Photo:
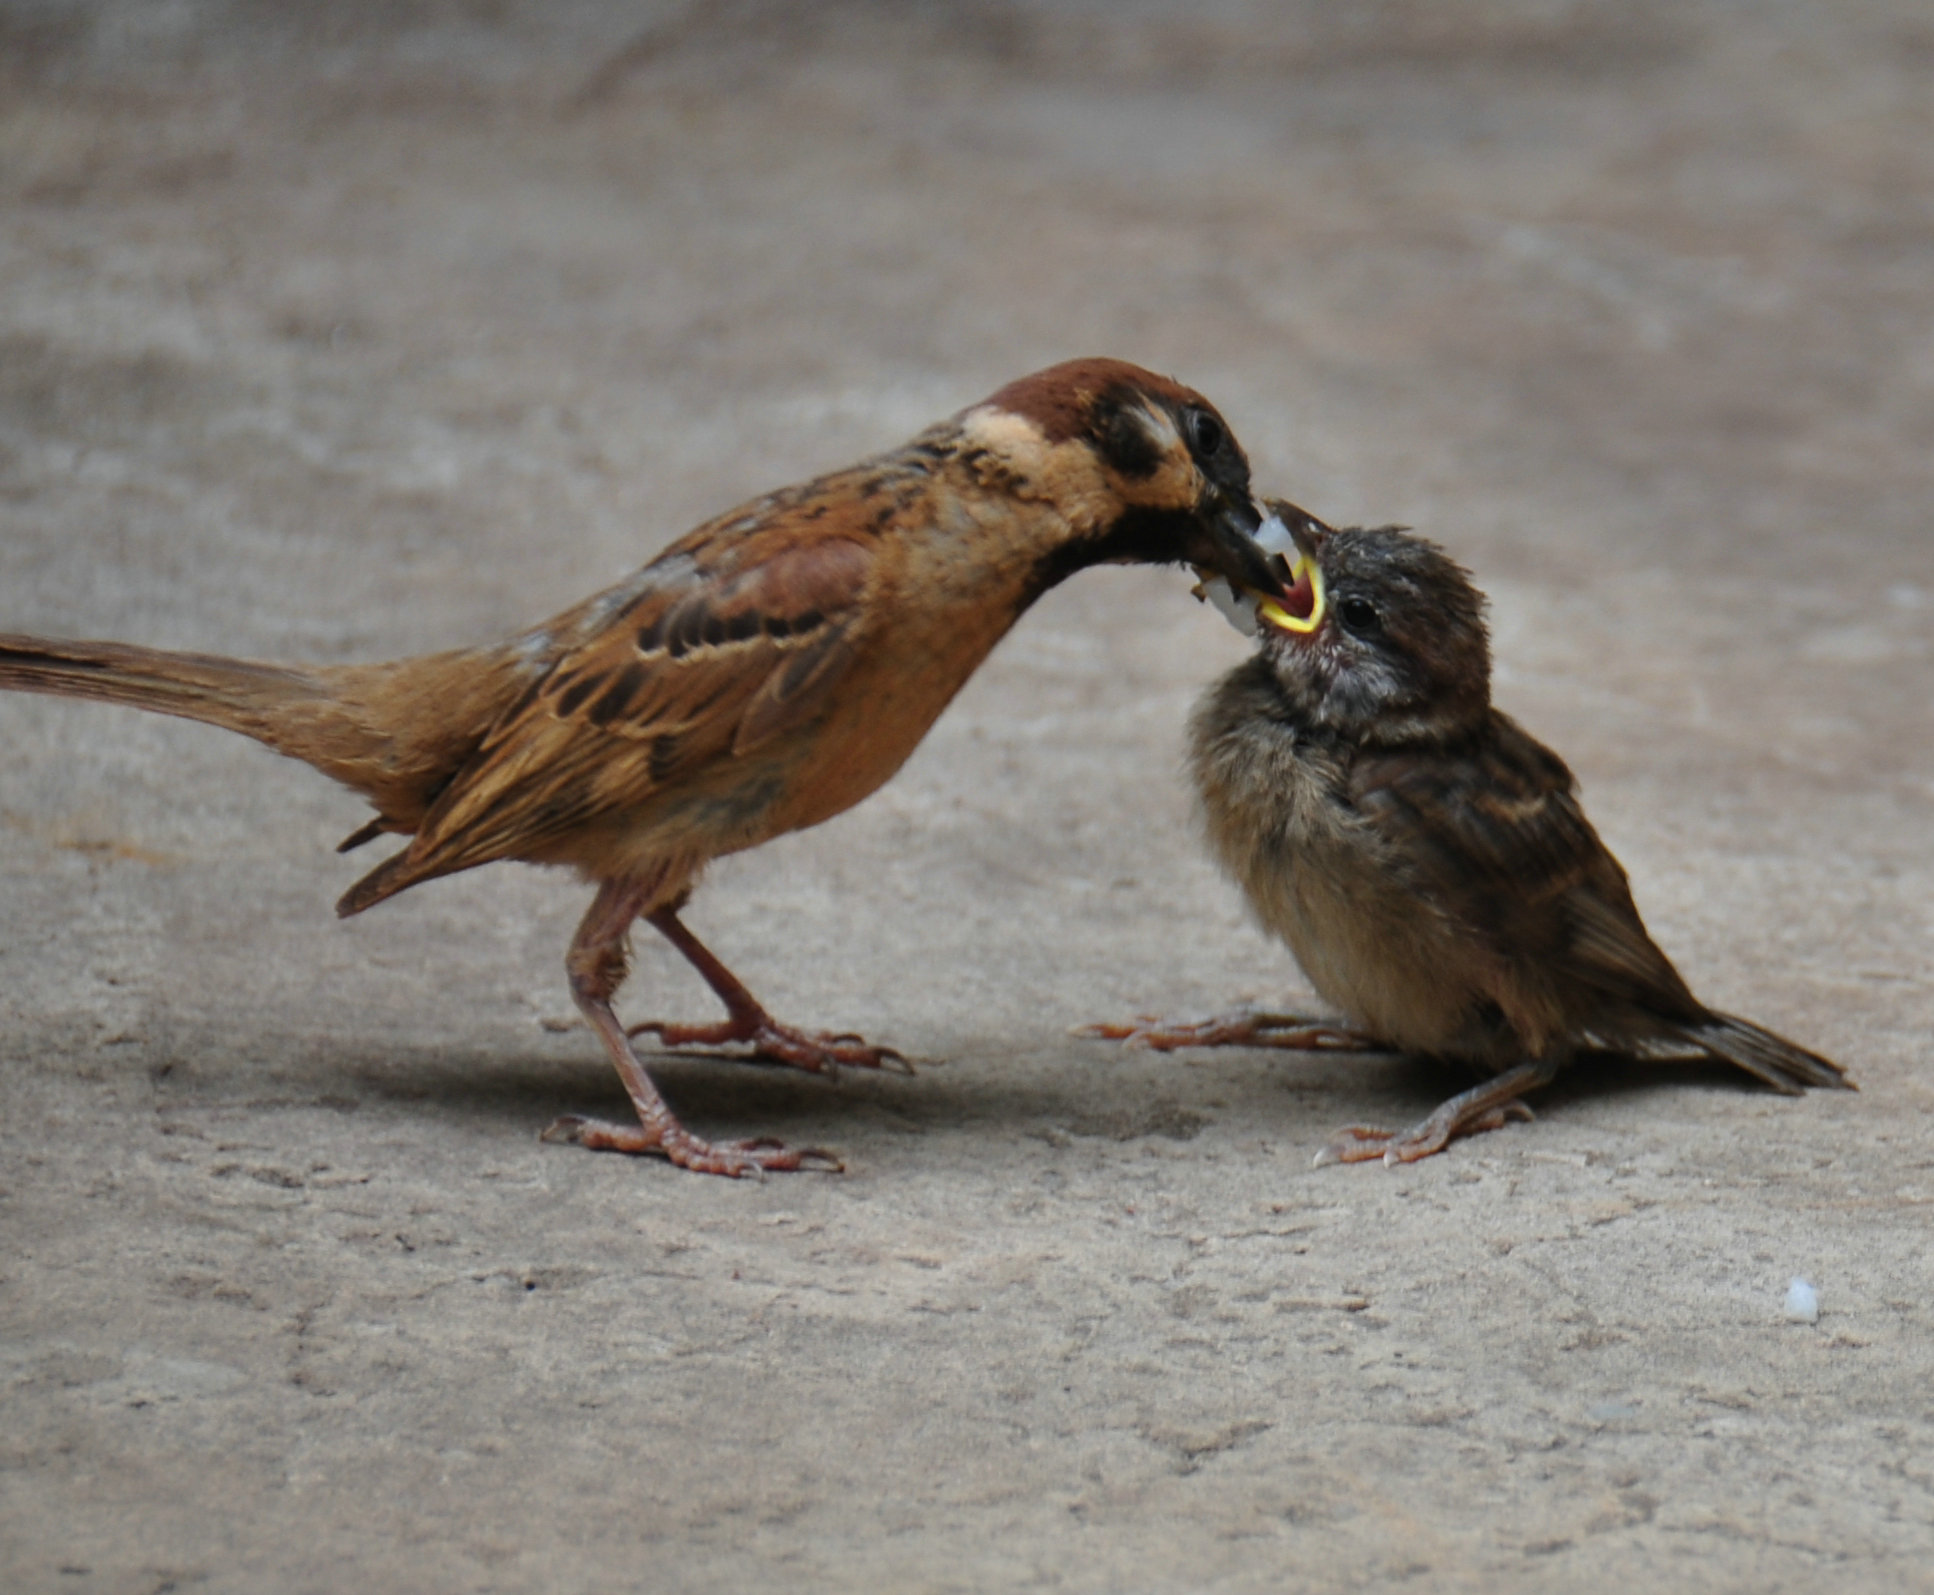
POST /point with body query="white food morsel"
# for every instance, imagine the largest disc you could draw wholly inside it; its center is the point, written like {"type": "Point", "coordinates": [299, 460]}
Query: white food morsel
{"type": "Point", "coordinates": [1239, 609]}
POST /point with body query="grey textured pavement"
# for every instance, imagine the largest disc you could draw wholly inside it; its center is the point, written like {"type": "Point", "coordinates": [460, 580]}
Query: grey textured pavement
{"type": "Point", "coordinates": [340, 331]}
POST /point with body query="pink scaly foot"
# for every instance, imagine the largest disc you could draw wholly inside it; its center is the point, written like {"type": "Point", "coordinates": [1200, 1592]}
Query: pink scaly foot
{"type": "Point", "coordinates": [747, 1022]}
{"type": "Point", "coordinates": [1244, 1028]}
{"type": "Point", "coordinates": [1489, 1106]}
{"type": "Point", "coordinates": [596, 964]}
{"type": "Point", "coordinates": [812, 1050]}
{"type": "Point", "coordinates": [1360, 1143]}
{"type": "Point", "coordinates": [687, 1151]}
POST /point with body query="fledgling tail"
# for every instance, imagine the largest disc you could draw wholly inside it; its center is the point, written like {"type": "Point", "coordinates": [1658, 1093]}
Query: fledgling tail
{"type": "Point", "coordinates": [1782, 1064]}
{"type": "Point", "coordinates": [395, 732]}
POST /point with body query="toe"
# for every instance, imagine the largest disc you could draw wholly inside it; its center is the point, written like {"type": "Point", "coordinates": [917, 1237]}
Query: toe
{"type": "Point", "coordinates": [1354, 1143]}
{"type": "Point", "coordinates": [564, 1129]}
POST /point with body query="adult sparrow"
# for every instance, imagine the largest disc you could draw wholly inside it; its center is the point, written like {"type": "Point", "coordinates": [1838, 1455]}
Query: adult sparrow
{"type": "Point", "coordinates": [1425, 858]}
{"type": "Point", "coordinates": [762, 674]}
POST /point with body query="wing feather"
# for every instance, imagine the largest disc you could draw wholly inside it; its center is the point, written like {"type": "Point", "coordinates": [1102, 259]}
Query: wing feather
{"type": "Point", "coordinates": [1498, 840]}
{"type": "Point", "coordinates": [733, 636]}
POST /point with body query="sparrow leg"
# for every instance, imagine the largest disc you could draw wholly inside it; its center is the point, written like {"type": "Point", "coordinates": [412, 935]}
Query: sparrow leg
{"type": "Point", "coordinates": [1244, 1028]}
{"type": "Point", "coordinates": [1489, 1106]}
{"type": "Point", "coordinates": [747, 1020]}
{"type": "Point", "coordinates": [597, 964]}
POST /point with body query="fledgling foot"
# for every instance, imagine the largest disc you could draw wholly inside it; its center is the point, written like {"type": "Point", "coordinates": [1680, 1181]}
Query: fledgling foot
{"type": "Point", "coordinates": [1245, 1028]}
{"type": "Point", "coordinates": [737, 1159]}
{"type": "Point", "coordinates": [815, 1051]}
{"type": "Point", "coordinates": [1359, 1143]}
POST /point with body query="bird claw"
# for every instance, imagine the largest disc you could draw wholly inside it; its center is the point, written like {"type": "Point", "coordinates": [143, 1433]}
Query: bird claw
{"type": "Point", "coordinates": [753, 1159]}
{"type": "Point", "coordinates": [817, 1052]}
{"type": "Point", "coordinates": [1246, 1028]}
{"type": "Point", "coordinates": [1354, 1143]}
{"type": "Point", "coordinates": [1360, 1143]}
{"type": "Point", "coordinates": [1112, 1030]}
{"type": "Point", "coordinates": [888, 1060]}
{"type": "Point", "coordinates": [563, 1130]}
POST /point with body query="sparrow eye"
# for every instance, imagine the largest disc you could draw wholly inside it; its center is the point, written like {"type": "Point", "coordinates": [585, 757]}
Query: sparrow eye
{"type": "Point", "coordinates": [1206, 434]}
{"type": "Point", "coordinates": [1359, 617]}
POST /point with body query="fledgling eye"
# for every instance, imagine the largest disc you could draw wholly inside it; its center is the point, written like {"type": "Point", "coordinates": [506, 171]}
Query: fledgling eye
{"type": "Point", "coordinates": [1206, 434]}
{"type": "Point", "coordinates": [1359, 616]}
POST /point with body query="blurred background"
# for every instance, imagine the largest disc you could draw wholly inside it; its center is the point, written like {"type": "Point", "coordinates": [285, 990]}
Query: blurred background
{"type": "Point", "coordinates": [343, 330]}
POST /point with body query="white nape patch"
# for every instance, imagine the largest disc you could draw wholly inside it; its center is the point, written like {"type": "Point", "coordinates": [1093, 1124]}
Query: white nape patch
{"type": "Point", "coordinates": [1011, 436]}
{"type": "Point", "coordinates": [1063, 475]}
{"type": "Point", "coordinates": [1802, 1304]}
{"type": "Point", "coordinates": [1239, 609]}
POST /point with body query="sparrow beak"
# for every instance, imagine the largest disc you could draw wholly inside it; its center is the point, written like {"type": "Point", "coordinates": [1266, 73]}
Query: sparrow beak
{"type": "Point", "coordinates": [1305, 530]}
{"type": "Point", "coordinates": [1233, 552]}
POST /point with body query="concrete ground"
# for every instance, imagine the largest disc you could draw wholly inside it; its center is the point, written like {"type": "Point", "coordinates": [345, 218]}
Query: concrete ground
{"type": "Point", "coordinates": [337, 331]}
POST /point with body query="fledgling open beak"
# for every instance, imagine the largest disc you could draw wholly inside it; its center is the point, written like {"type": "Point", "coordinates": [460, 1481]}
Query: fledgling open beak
{"type": "Point", "coordinates": [1302, 605]}
{"type": "Point", "coordinates": [1291, 598]}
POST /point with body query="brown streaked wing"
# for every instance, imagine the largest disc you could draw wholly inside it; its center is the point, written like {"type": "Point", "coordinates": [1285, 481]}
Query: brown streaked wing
{"type": "Point", "coordinates": [1496, 838]}
{"type": "Point", "coordinates": [744, 647]}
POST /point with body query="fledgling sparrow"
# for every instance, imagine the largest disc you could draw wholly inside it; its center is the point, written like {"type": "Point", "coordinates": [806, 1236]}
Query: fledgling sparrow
{"type": "Point", "coordinates": [762, 674]}
{"type": "Point", "coordinates": [1425, 858]}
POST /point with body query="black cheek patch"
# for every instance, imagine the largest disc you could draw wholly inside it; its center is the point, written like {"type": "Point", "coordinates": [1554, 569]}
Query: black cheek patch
{"type": "Point", "coordinates": [1229, 471]}
{"type": "Point", "coordinates": [1123, 442]}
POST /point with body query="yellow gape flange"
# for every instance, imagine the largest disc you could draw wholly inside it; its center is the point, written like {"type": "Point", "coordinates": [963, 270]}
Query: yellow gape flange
{"type": "Point", "coordinates": [1272, 613]}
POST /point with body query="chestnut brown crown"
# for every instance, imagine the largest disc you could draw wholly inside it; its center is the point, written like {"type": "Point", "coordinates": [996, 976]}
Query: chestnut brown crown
{"type": "Point", "coordinates": [1174, 479]}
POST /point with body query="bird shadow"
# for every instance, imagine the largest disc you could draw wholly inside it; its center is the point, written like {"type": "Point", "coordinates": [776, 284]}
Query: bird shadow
{"type": "Point", "coordinates": [1593, 1075]}
{"type": "Point", "coordinates": [1598, 1075]}
{"type": "Point", "coordinates": [520, 1088]}
{"type": "Point", "coordinates": [1099, 1092]}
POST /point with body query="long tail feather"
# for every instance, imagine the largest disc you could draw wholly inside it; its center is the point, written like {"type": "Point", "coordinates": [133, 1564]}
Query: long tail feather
{"type": "Point", "coordinates": [235, 693]}
{"type": "Point", "coordinates": [393, 732]}
{"type": "Point", "coordinates": [1784, 1065]}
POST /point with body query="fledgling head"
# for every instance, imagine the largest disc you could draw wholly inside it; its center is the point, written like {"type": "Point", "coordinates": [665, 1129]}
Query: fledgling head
{"type": "Point", "coordinates": [1399, 651]}
{"type": "Point", "coordinates": [1142, 469]}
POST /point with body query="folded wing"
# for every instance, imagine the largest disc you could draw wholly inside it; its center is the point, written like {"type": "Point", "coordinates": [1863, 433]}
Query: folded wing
{"type": "Point", "coordinates": [726, 641]}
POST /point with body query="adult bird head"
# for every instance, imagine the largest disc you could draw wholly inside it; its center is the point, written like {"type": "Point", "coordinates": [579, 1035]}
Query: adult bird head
{"type": "Point", "coordinates": [1142, 470]}
{"type": "Point", "coordinates": [1380, 638]}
